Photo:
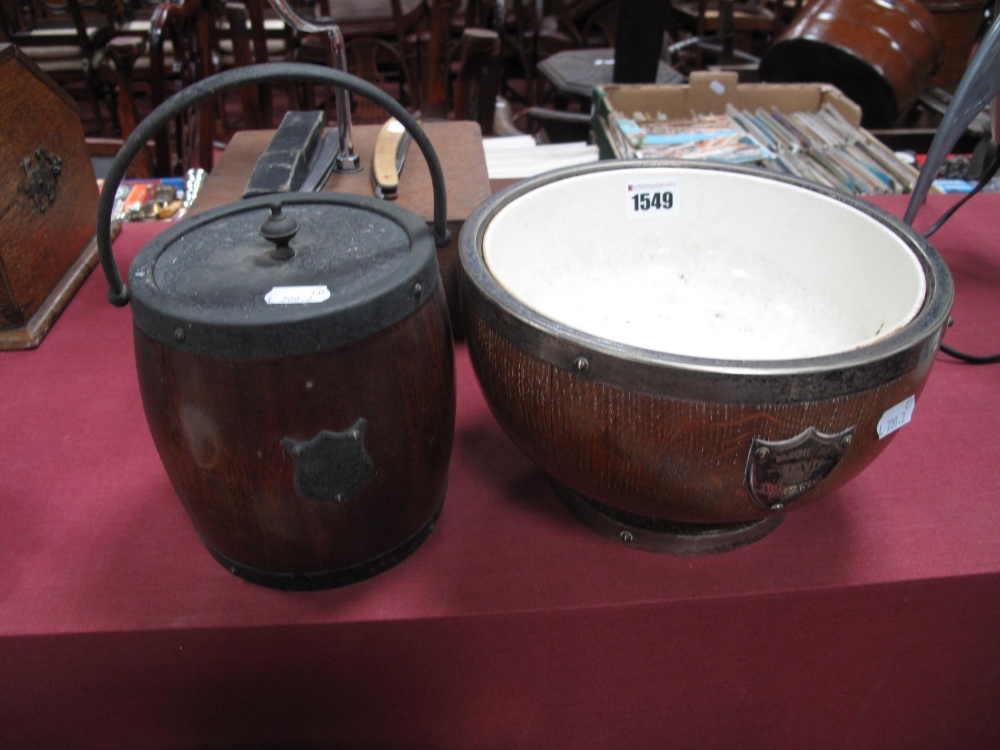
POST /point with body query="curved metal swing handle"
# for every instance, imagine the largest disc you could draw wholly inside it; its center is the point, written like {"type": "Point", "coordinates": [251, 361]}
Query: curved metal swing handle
{"type": "Point", "coordinates": [263, 73]}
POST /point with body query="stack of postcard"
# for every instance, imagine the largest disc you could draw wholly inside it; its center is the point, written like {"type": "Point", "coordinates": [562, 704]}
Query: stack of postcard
{"type": "Point", "coordinates": [819, 146]}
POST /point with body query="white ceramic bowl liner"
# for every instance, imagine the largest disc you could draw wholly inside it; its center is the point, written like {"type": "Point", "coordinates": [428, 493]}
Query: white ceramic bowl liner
{"type": "Point", "coordinates": [739, 268]}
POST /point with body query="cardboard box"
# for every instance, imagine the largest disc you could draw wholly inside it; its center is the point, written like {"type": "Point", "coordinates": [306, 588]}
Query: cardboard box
{"type": "Point", "coordinates": [806, 130]}
{"type": "Point", "coordinates": [707, 93]}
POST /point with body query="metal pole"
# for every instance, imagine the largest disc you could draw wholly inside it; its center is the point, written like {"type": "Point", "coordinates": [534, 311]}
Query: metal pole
{"type": "Point", "coordinates": [346, 159]}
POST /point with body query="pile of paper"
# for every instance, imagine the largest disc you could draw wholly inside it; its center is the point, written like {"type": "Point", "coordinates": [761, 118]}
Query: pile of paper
{"type": "Point", "coordinates": [515, 157]}
{"type": "Point", "coordinates": [819, 146]}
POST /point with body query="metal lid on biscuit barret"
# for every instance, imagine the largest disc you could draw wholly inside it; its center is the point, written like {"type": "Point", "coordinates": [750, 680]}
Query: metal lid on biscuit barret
{"type": "Point", "coordinates": [272, 277]}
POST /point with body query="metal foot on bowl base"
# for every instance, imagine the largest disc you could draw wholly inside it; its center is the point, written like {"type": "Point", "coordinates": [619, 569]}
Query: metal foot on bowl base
{"type": "Point", "coordinates": [665, 537]}
{"type": "Point", "coordinates": [328, 579]}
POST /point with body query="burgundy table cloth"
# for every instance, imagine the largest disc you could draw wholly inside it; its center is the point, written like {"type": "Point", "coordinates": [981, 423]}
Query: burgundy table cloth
{"type": "Point", "coordinates": [870, 619]}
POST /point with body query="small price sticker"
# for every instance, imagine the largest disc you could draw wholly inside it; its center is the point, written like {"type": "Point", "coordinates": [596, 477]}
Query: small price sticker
{"type": "Point", "coordinates": [895, 417]}
{"type": "Point", "coordinates": [297, 295]}
{"type": "Point", "coordinates": [651, 198]}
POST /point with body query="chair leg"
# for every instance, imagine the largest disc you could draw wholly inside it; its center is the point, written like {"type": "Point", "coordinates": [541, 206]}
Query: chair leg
{"type": "Point", "coordinates": [93, 84]}
{"type": "Point", "coordinates": [125, 51]}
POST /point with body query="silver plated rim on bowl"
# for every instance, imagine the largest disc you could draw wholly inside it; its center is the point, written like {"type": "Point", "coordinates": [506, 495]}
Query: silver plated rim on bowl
{"type": "Point", "coordinates": [698, 377]}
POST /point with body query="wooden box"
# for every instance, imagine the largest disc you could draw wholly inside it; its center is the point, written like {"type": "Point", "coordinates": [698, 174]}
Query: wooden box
{"type": "Point", "coordinates": [48, 201]}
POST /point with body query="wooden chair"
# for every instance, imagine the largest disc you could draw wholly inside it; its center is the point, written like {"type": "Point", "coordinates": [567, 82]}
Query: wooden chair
{"type": "Point", "coordinates": [438, 55]}
{"type": "Point", "coordinates": [380, 43]}
{"type": "Point", "coordinates": [741, 28]}
{"type": "Point", "coordinates": [65, 40]}
{"type": "Point", "coordinates": [381, 63]}
{"type": "Point", "coordinates": [167, 58]}
{"type": "Point", "coordinates": [461, 61]}
{"type": "Point", "coordinates": [571, 24]}
{"type": "Point", "coordinates": [123, 54]}
{"type": "Point", "coordinates": [478, 82]}
{"type": "Point", "coordinates": [463, 56]}
{"type": "Point", "coordinates": [178, 47]}
{"type": "Point", "coordinates": [396, 24]}
{"type": "Point", "coordinates": [564, 25]}
{"type": "Point", "coordinates": [245, 32]}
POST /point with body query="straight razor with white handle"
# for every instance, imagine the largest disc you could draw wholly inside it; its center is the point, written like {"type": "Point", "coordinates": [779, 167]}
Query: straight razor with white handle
{"type": "Point", "coordinates": [390, 154]}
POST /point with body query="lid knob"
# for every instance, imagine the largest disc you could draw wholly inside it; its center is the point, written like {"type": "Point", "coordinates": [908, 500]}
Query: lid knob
{"type": "Point", "coordinates": [279, 229]}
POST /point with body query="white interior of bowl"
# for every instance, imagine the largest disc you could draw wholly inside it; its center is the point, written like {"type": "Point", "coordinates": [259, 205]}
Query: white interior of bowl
{"type": "Point", "coordinates": [738, 268]}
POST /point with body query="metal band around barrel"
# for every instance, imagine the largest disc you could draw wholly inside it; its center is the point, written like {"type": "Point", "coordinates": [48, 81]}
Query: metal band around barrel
{"type": "Point", "coordinates": [307, 328]}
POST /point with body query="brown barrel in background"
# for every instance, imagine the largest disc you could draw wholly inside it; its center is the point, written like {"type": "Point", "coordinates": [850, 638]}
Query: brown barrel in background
{"type": "Point", "coordinates": [882, 54]}
{"type": "Point", "coordinates": [958, 23]}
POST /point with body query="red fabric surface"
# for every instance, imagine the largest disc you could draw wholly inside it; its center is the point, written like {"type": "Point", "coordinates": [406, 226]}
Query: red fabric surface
{"type": "Point", "coordinates": [866, 620]}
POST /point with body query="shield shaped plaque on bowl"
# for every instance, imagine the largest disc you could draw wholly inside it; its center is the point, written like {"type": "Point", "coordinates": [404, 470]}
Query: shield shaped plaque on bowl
{"type": "Point", "coordinates": [780, 471]}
